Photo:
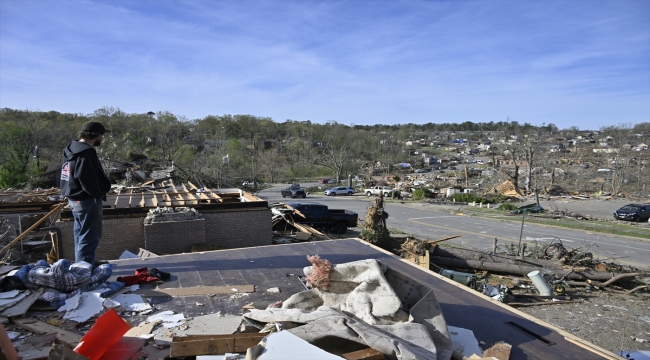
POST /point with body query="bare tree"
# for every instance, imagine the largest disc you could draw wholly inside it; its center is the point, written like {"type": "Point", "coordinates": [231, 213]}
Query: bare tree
{"type": "Point", "coordinates": [336, 149]}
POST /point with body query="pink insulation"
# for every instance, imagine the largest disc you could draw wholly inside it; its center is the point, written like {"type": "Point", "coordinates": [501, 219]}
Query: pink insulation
{"type": "Point", "coordinates": [320, 275]}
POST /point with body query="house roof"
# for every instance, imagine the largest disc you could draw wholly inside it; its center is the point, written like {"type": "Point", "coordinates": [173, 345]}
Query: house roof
{"type": "Point", "coordinates": [269, 266]}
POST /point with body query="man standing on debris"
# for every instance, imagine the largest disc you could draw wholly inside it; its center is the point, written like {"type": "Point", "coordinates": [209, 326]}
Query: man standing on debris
{"type": "Point", "coordinates": [85, 184]}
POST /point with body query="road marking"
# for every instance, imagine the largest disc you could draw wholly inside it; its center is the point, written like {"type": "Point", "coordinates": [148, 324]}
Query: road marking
{"type": "Point", "coordinates": [513, 240]}
{"type": "Point", "coordinates": [567, 239]}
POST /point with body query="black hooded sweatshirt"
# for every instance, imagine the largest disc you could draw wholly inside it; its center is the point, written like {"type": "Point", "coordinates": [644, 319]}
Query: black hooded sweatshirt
{"type": "Point", "coordinates": [82, 176]}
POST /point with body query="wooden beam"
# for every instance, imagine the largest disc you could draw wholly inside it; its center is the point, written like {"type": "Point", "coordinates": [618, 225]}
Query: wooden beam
{"type": "Point", "coordinates": [55, 210]}
{"type": "Point", "coordinates": [443, 239]}
{"type": "Point", "coordinates": [196, 345]}
{"type": "Point", "coordinates": [62, 336]}
{"type": "Point", "coordinates": [364, 354]}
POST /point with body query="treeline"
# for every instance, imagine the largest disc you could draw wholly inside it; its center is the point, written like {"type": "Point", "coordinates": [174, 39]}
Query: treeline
{"type": "Point", "coordinates": [219, 150]}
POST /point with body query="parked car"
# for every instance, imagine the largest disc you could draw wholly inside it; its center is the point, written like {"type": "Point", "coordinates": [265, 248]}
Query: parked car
{"type": "Point", "coordinates": [320, 216]}
{"type": "Point", "coordinates": [633, 212]}
{"type": "Point", "coordinates": [378, 190]}
{"type": "Point", "coordinates": [294, 193]}
{"type": "Point", "coordinates": [323, 180]}
{"type": "Point", "coordinates": [340, 190]}
{"type": "Point", "coordinates": [420, 171]}
{"type": "Point", "coordinates": [331, 181]}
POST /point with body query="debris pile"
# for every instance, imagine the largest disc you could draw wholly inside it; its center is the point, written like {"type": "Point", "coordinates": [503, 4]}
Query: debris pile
{"type": "Point", "coordinates": [165, 214]}
{"type": "Point", "coordinates": [559, 269]}
{"type": "Point", "coordinates": [287, 230]}
{"type": "Point", "coordinates": [507, 188]}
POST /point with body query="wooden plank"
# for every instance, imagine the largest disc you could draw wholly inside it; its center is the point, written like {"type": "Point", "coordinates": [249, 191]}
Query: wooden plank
{"type": "Point", "coordinates": [443, 239]}
{"type": "Point", "coordinates": [155, 200]}
{"type": "Point", "coordinates": [168, 199]}
{"type": "Point", "coordinates": [364, 354]}
{"type": "Point", "coordinates": [213, 344]}
{"type": "Point", "coordinates": [8, 350]}
{"type": "Point", "coordinates": [62, 336]}
{"type": "Point", "coordinates": [142, 202]}
{"type": "Point", "coordinates": [199, 290]}
{"type": "Point", "coordinates": [189, 194]}
{"type": "Point", "coordinates": [36, 225]}
{"type": "Point", "coordinates": [214, 195]}
{"type": "Point", "coordinates": [183, 198]}
{"type": "Point", "coordinates": [514, 304]}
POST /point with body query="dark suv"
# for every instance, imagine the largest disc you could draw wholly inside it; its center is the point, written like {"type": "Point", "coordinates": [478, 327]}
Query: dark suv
{"type": "Point", "coordinates": [633, 212]}
{"type": "Point", "coordinates": [294, 193]}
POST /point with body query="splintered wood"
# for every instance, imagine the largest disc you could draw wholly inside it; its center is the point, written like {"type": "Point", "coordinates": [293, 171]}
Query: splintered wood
{"type": "Point", "coordinates": [284, 225]}
{"type": "Point", "coordinates": [507, 188]}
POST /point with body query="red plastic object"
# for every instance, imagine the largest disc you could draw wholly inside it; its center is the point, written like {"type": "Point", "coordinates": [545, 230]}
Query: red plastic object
{"type": "Point", "coordinates": [108, 330]}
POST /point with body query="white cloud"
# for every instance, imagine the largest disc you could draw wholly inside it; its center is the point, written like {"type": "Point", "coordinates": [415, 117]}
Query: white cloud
{"type": "Point", "coordinates": [361, 62]}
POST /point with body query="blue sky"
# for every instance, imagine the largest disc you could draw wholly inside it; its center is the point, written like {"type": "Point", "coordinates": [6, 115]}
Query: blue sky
{"type": "Point", "coordinates": [571, 63]}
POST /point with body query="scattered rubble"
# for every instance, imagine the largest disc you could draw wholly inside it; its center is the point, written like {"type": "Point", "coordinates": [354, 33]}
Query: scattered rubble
{"type": "Point", "coordinates": [165, 214]}
{"type": "Point", "coordinates": [286, 230]}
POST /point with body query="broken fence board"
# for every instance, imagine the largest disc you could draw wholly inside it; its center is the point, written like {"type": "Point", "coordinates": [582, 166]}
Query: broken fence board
{"type": "Point", "coordinates": [201, 290]}
{"type": "Point", "coordinates": [24, 305]}
{"type": "Point", "coordinates": [213, 344]}
{"type": "Point", "coordinates": [62, 336]}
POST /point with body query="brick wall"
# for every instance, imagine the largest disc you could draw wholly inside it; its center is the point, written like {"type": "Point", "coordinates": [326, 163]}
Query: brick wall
{"type": "Point", "coordinates": [238, 229]}
{"type": "Point", "coordinates": [117, 235]}
{"type": "Point", "coordinates": [173, 237]}
{"type": "Point", "coordinates": [231, 229]}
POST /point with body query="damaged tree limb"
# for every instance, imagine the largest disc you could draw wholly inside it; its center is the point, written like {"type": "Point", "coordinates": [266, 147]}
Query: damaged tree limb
{"type": "Point", "coordinates": [521, 270]}
{"type": "Point", "coordinates": [495, 258]}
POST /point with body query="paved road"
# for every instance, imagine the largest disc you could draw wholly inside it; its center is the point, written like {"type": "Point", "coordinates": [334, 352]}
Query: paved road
{"type": "Point", "coordinates": [431, 221]}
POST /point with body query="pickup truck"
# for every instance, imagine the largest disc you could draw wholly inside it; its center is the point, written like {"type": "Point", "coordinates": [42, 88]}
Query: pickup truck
{"type": "Point", "coordinates": [320, 216]}
{"type": "Point", "coordinates": [377, 190]}
{"type": "Point", "coordinates": [294, 192]}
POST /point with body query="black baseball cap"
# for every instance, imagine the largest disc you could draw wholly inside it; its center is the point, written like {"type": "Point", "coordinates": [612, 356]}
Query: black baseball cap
{"type": "Point", "coordinates": [94, 127]}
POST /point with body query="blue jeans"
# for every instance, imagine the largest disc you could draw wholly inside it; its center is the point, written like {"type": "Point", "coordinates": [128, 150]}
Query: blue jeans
{"type": "Point", "coordinates": [87, 228]}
